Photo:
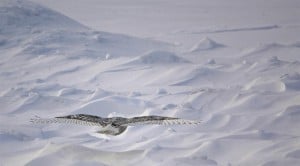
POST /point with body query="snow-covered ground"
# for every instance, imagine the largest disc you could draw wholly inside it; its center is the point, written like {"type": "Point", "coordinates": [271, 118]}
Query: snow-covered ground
{"type": "Point", "coordinates": [233, 64]}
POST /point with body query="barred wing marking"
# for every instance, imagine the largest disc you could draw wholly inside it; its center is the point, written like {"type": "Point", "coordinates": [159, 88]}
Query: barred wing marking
{"type": "Point", "coordinates": [159, 120]}
{"type": "Point", "coordinates": [90, 120]}
{"type": "Point", "coordinates": [66, 120]}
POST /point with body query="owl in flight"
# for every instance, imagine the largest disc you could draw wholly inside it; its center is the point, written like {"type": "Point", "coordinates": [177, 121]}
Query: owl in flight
{"type": "Point", "coordinates": [115, 125]}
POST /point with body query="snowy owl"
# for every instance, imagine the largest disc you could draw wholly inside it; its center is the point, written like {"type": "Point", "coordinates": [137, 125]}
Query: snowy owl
{"type": "Point", "coordinates": [114, 125]}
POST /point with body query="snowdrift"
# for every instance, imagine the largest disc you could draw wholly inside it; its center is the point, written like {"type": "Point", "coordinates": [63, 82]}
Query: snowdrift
{"type": "Point", "coordinates": [245, 89]}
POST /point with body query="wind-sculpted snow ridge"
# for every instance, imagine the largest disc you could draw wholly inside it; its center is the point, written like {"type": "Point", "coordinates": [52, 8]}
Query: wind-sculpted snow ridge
{"type": "Point", "coordinates": [36, 31]}
{"type": "Point", "coordinates": [241, 80]}
{"type": "Point", "coordinates": [205, 45]}
{"type": "Point", "coordinates": [239, 29]}
{"type": "Point", "coordinates": [158, 57]}
{"type": "Point", "coordinates": [18, 17]}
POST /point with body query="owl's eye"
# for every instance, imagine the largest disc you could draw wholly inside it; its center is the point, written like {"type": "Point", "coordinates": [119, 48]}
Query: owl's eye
{"type": "Point", "coordinates": [114, 125]}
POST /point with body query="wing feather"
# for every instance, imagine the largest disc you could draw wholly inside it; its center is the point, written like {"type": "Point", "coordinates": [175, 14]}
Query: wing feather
{"type": "Point", "coordinates": [157, 120]}
{"type": "Point", "coordinates": [65, 121]}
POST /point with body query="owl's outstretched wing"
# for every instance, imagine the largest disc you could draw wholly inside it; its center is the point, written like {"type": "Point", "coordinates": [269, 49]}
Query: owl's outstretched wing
{"type": "Point", "coordinates": [79, 119]}
{"type": "Point", "coordinates": [158, 120]}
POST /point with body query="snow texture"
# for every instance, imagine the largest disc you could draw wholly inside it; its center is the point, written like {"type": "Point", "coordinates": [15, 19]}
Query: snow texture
{"type": "Point", "coordinates": [233, 65]}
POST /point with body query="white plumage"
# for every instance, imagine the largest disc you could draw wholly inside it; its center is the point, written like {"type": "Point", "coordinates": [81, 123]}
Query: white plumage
{"type": "Point", "coordinates": [114, 125]}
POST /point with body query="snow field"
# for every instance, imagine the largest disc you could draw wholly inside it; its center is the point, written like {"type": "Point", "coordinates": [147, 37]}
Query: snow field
{"type": "Point", "coordinates": [242, 84]}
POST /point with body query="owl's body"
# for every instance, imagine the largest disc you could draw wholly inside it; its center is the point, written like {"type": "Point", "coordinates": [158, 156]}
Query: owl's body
{"type": "Point", "coordinates": [114, 125]}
